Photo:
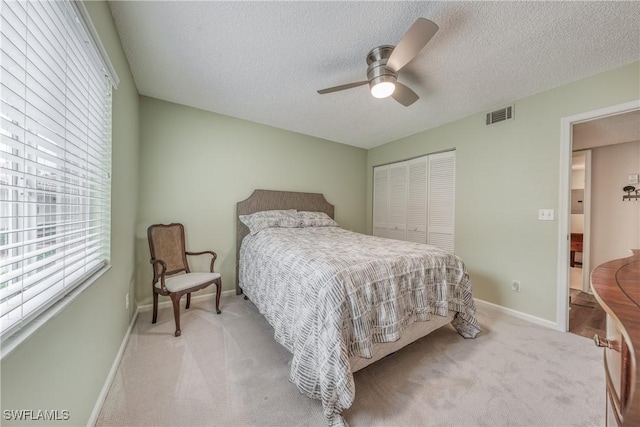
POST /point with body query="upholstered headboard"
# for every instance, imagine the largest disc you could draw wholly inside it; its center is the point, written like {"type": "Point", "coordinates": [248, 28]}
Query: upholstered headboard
{"type": "Point", "coordinates": [264, 200]}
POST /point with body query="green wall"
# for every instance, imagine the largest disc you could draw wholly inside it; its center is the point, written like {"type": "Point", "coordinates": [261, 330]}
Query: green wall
{"type": "Point", "coordinates": [64, 364]}
{"type": "Point", "coordinates": [504, 174]}
{"type": "Point", "coordinates": [196, 165]}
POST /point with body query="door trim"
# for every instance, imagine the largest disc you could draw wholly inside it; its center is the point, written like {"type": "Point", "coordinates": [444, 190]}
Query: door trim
{"type": "Point", "coordinates": [586, 235]}
{"type": "Point", "coordinates": [566, 137]}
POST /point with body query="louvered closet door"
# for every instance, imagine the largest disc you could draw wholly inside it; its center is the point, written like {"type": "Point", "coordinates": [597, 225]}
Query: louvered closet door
{"type": "Point", "coordinates": [380, 201]}
{"type": "Point", "coordinates": [441, 200]}
{"type": "Point", "coordinates": [417, 200]}
{"type": "Point", "coordinates": [398, 201]}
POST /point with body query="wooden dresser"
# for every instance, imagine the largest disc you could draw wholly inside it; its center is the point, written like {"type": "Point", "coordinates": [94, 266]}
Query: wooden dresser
{"type": "Point", "coordinates": [576, 246]}
{"type": "Point", "coordinates": [616, 285]}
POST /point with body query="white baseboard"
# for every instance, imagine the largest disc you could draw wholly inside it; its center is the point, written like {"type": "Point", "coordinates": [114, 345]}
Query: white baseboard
{"type": "Point", "coordinates": [520, 315]}
{"type": "Point", "coordinates": [168, 303]}
{"type": "Point", "coordinates": [93, 418]}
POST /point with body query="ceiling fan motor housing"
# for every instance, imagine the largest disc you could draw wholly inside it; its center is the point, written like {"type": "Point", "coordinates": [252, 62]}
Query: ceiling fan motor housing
{"type": "Point", "coordinates": [378, 71]}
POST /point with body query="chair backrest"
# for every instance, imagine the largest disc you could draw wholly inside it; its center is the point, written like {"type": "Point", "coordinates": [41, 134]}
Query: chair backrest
{"type": "Point", "coordinates": [167, 243]}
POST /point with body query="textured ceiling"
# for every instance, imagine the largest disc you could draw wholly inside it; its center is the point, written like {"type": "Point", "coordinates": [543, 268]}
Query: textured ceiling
{"type": "Point", "coordinates": [616, 129]}
{"type": "Point", "coordinates": [264, 61]}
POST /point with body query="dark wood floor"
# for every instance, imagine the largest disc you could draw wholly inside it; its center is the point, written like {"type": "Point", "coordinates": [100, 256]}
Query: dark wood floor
{"type": "Point", "coordinates": [586, 317]}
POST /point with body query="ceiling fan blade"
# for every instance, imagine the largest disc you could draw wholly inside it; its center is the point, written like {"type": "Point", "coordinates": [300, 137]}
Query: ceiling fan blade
{"type": "Point", "coordinates": [404, 95]}
{"type": "Point", "coordinates": [342, 87]}
{"type": "Point", "coordinates": [411, 43]}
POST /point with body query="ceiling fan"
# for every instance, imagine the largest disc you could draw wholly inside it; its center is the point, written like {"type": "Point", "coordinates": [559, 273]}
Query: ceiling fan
{"type": "Point", "coordinates": [386, 61]}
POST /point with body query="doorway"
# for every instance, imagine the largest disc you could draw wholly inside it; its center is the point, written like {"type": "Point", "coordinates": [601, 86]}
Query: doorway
{"type": "Point", "coordinates": [614, 114]}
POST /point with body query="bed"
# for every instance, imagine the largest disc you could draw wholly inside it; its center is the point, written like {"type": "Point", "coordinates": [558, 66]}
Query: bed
{"type": "Point", "coordinates": [338, 300]}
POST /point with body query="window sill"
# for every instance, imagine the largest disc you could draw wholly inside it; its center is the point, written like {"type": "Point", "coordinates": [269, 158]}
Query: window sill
{"type": "Point", "coordinates": [11, 343]}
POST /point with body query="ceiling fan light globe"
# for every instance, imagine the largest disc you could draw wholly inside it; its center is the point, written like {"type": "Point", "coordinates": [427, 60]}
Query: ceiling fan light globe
{"type": "Point", "coordinates": [383, 89]}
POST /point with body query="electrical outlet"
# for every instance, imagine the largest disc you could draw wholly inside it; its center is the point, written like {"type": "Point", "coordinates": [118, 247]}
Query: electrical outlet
{"type": "Point", "coordinates": [515, 286]}
{"type": "Point", "coordinates": [126, 301]}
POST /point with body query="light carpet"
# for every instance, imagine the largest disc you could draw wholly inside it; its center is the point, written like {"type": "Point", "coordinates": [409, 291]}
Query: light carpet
{"type": "Point", "coordinates": [227, 370]}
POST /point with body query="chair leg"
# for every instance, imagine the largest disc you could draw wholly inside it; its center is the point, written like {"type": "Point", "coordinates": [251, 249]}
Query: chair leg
{"type": "Point", "coordinates": [155, 307]}
{"type": "Point", "coordinates": [188, 300]}
{"type": "Point", "coordinates": [218, 292]}
{"type": "Point", "coordinates": [175, 298]}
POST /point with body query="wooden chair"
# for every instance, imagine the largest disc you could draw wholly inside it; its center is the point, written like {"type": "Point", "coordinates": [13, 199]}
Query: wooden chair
{"type": "Point", "coordinates": [171, 274]}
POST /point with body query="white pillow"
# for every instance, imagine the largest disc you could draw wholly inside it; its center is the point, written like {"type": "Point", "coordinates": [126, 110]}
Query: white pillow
{"type": "Point", "coordinates": [315, 219]}
{"type": "Point", "coordinates": [270, 219]}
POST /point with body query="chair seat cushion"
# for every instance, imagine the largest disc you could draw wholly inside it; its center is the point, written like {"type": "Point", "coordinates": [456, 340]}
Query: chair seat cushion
{"type": "Point", "coordinates": [184, 281]}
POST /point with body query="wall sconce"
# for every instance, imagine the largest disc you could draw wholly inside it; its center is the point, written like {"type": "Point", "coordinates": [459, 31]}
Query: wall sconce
{"type": "Point", "coordinates": [629, 196]}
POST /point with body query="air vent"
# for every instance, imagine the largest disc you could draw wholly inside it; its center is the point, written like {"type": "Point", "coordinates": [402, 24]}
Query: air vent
{"type": "Point", "coordinates": [500, 115]}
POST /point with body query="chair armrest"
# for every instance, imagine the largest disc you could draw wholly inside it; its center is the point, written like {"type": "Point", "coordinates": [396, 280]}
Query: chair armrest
{"type": "Point", "coordinates": [214, 256]}
{"type": "Point", "coordinates": [162, 272]}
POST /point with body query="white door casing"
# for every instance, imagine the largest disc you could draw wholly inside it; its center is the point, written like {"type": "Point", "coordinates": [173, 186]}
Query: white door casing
{"type": "Point", "coordinates": [566, 125]}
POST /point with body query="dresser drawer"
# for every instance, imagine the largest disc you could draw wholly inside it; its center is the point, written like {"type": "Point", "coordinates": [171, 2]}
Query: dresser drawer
{"type": "Point", "coordinates": [617, 373]}
{"type": "Point", "coordinates": [616, 286]}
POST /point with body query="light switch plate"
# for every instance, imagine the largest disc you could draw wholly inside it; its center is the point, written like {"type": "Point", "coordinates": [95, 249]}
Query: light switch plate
{"type": "Point", "coordinates": [545, 214]}
{"type": "Point", "coordinates": [633, 179]}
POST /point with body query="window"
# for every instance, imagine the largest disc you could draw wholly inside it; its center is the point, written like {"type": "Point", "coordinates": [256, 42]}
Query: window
{"type": "Point", "coordinates": [55, 156]}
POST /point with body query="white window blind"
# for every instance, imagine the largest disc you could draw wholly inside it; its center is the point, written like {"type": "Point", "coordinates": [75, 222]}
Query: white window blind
{"type": "Point", "coordinates": [55, 164]}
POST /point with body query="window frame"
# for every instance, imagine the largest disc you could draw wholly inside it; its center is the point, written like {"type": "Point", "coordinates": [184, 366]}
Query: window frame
{"type": "Point", "coordinates": [74, 22]}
